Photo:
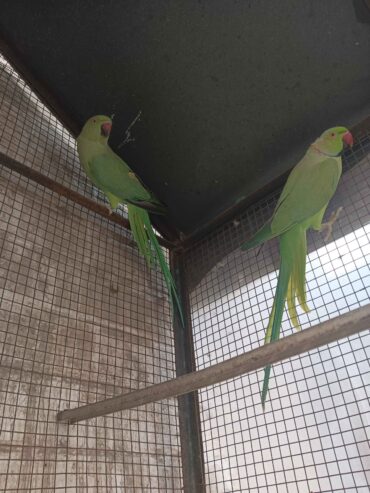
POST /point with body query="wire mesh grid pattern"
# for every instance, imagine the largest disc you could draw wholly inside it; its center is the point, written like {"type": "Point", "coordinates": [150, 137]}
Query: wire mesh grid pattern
{"type": "Point", "coordinates": [314, 434]}
{"type": "Point", "coordinates": [31, 134]}
{"type": "Point", "coordinates": [81, 319]}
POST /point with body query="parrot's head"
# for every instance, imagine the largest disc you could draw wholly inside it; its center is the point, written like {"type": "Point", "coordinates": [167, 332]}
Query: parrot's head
{"type": "Point", "coordinates": [332, 141]}
{"type": "Point", "coordinates": [97, 128]}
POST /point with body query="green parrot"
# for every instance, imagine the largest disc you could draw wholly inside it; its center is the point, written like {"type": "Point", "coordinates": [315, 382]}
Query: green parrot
{"type": "Point", "coordinates": [115, 179]}
{"type": "Point", "coordinates": [301, 206]}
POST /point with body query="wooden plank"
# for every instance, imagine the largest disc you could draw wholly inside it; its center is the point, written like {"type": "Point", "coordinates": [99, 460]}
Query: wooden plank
{"type": "Point", "coordinates": [300, 342]}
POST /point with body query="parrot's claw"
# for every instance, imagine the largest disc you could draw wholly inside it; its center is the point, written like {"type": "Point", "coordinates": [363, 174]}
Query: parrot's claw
{"type": "Point", "coordinates": [329, 224]}
{"type": "Point", "coordinates": [110, 210]}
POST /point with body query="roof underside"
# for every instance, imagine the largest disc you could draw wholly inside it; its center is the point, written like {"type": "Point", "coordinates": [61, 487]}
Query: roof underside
{"type": "Point", "coordinates": [230, 92]}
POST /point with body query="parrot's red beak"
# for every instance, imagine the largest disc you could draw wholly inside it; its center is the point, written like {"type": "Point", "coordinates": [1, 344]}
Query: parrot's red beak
{"type": "Point", "coordinates": [348, 139]}
{"type": "Point", "coordinates": [105, 129]}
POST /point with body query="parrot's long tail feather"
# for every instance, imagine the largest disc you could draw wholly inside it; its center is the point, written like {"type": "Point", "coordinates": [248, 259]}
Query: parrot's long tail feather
{"type": "Point", "coordinates": [297, 281]}
{"type": "Point", "coordinates": [140, 234]}
{"type": "Point", "coordinates": [273, 330]}
{"type": "Point", "coordinates": [151, 250]}
{"type": "Point", "coordinates": [261, 236]}
{"type": "Point", "coordinates": [291, 284]}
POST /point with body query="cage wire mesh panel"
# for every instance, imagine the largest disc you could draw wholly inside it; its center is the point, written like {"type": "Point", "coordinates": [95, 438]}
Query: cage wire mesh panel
{"type": "Point", "coordinates": [31, 134]}
{"type": "Point", "coordinates": [314, 434]}
{"type": "Point", "coordinates": [81, 319]}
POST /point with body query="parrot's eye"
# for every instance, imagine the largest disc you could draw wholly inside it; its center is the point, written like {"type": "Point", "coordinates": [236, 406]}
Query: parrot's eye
{"type": "Point", "coordinates": [94, 121]}
{"type": "Point", "coordinates": [333, 134]}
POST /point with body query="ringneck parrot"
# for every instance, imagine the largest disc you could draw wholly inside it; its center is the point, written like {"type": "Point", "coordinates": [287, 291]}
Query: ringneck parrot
{"type": "Point", "coordinates": [115, 179]}
{"type": "Point", "coordinates": [301, 206]}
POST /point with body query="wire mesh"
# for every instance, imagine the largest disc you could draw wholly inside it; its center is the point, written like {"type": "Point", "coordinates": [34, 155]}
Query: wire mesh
{"type": "Point", "coordinates": [31, 134]}
{"type": "Point", "coordinates": [81, 319]}
{"type": "Point", "coordinates": [314, 435]}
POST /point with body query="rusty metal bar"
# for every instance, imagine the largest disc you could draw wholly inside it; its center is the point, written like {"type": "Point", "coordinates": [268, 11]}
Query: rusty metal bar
{"type": "Point", "coordinates": [60, 189]}
{"type": "Point", "coordinates": [300, 342]}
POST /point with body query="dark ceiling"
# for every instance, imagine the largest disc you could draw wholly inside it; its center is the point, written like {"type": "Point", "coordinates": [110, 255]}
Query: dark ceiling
{"type": "Point", "coordinates": [230, 92]}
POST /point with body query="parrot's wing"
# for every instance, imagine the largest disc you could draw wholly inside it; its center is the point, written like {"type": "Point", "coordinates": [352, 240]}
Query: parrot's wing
{"type": "Point", "coordinates": [308, 192]}
{"type": "Point", "coordinates": [111, 174]}
{"type": "Point", "coordinates": [151, 206]}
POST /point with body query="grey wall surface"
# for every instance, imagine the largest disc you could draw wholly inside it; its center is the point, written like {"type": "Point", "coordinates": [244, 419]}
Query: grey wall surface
{"type": "Point", "coordinates": [81, 319]}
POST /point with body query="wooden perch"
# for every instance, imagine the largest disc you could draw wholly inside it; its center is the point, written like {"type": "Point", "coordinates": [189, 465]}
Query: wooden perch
{"type": "Point", "coordinates": [300, 342]}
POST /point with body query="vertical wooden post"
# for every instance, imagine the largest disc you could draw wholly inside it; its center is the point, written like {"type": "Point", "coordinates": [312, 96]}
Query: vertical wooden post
{"type": "Point", "coordinates": [189, 416]}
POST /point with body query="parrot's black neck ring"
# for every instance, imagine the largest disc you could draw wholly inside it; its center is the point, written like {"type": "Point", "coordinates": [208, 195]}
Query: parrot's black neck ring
{"type": "Point", "coordinates": [324, 153]}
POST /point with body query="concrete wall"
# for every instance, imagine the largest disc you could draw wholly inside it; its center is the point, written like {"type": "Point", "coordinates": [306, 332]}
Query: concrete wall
{"type": "Point", "coordinates": [81, 319]}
